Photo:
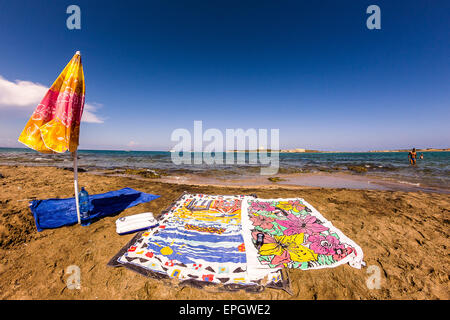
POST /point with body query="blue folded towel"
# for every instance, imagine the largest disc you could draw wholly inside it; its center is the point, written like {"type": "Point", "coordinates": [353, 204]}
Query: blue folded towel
{"type": "Point", "coordinates": [54, 213]}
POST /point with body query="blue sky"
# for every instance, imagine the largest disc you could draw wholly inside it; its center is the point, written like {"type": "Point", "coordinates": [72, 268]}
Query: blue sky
{"type": "Point", "coordinates": [309, 68]}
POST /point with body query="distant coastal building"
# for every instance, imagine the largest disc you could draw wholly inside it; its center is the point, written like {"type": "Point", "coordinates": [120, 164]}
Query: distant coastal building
{"type": "Point", "coordinates": [298, 150]}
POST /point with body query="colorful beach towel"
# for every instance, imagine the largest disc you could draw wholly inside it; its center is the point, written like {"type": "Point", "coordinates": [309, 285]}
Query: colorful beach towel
{"type": "Point", "coordinates": [292, 233]}
{"type": "Point", "coordinates": [199, 242]}
{"type": "Point", "coordinates": [54, 213]}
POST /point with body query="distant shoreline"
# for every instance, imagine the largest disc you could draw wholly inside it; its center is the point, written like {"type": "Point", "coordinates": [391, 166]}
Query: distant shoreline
{"type": "Point", "coordinates": [266, 150]}
{"type": "Point", "coordinates": [370, 151]}
{"type": "Point", "coordinates": [417, 150]}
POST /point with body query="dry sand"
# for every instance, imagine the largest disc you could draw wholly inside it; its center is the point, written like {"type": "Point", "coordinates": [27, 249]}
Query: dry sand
{"type": "Point", "coordinates": [405, 234]}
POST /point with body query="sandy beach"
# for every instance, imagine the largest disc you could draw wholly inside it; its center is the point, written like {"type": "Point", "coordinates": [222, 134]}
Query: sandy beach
{"type": "Point", "coordinates": [405, 234]}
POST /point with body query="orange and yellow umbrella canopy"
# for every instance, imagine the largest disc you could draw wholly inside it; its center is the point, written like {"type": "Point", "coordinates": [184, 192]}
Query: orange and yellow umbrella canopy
{"type": "Point", "coordinates": [54, 126]}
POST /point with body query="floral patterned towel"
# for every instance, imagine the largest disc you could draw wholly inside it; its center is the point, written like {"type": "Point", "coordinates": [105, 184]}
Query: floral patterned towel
{"type": "Point", "coordinates": [291, 233]}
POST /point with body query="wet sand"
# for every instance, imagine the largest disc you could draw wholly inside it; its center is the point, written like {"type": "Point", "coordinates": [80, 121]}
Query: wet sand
{"type": "Point", "coordinates": [405, 234]}
{"type": "Point", "coordinates": [317, 179]}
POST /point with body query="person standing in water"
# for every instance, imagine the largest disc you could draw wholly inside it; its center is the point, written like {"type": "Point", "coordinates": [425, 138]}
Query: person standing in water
{"type": "Point", "coordinates": [421, 156]}
{"type": "Point", "coordinates": [412, 156]}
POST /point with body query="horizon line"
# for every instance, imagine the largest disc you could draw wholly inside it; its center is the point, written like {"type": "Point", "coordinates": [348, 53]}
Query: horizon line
{"type": "Point", "coordinates": [429, 149]}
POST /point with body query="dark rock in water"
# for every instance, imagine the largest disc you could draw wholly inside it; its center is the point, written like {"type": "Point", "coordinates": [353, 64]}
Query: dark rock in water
{"type": "Point", "coordinates": [358, 169]}
{"type": "Point", "coordinates": [79, 169]}
{"type": "Point", "coordinates": [145, 173]}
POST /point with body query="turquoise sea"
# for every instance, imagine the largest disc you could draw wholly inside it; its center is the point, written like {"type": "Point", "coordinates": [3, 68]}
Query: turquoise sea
{"type": "Point", "coordinates": [433, 170]}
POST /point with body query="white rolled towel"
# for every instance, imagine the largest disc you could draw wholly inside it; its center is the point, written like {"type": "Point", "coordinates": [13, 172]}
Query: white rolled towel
{"type": "Point", "coordinates": [137, 222]}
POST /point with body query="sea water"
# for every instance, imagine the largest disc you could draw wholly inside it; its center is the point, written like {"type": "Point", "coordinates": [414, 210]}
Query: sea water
{"type": "Point", "coordinates": [433, 170]}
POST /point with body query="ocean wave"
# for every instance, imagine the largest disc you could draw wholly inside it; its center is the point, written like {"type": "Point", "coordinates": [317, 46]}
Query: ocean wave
{"type": "Point", "coordinates": [417, 184]}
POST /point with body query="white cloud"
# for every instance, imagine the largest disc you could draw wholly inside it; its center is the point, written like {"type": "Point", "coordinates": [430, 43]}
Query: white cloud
{"type": "Point", "coordinates": [133, 143]}
{"type": "Point", "coordinates": [89, 115]}
{"type": "Point", "coordinates": [26, 95]}
{"type": "Point", "coordinates": [20, 93]}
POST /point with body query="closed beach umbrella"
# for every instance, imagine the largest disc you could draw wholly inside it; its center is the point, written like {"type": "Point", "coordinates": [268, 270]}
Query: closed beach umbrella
{"type": "Point", "coordinates": [54, 126]}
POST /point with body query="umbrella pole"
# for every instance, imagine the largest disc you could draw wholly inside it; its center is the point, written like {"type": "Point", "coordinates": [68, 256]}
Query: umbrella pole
{"type": "Point", "coordinates": [75, 183]}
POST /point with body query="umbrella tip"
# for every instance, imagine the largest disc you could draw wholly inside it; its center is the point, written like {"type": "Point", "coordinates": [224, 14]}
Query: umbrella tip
{"type": "Point", "coordinates": [78, 52]}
